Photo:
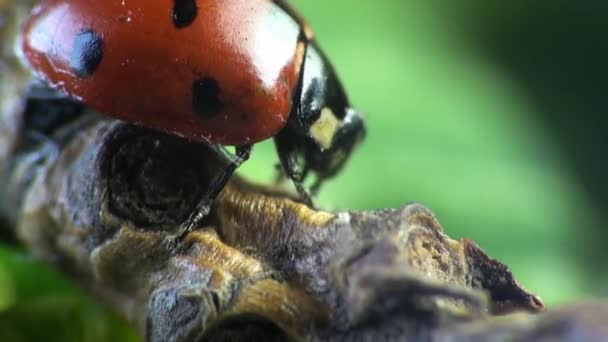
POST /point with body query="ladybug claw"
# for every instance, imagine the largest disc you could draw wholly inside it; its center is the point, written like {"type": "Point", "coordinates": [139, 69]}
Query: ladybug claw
{"type": "Point", "coordinates": [195, 219]}
{"type": "Point", "coordinates": [192, 222]}
{"type": "Point", "coordinates": [305, 196]}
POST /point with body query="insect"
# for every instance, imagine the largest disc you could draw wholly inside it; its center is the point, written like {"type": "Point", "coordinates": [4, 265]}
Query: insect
{"type": "Point", "coordinates": [220, 72]}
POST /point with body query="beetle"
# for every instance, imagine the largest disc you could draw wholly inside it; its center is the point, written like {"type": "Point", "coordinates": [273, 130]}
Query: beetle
{"type": "Point", "coordinates": [220, 72]}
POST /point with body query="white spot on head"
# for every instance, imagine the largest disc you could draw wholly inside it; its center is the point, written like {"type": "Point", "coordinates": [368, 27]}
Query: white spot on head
{"type": "Point", "coordinates": [324, 129]}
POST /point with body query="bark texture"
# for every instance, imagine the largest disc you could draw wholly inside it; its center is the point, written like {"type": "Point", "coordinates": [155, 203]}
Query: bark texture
{"type": "Point", "coordinates": [103, 200]}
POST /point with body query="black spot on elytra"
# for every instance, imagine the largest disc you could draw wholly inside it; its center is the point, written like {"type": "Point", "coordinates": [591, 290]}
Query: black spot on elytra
{"type": "Point", "coordinates": [205, 100]}
{"type": "Point", "coordinates": [184, 12]}
{"type": "Point", "coordinates": [87, 53]}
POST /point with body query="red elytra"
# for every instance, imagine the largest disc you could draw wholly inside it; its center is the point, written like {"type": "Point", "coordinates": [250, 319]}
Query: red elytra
{"type": "Point", "coordinates": [134, 60]}
{"type": "Point", "coordinates": [227, 72]}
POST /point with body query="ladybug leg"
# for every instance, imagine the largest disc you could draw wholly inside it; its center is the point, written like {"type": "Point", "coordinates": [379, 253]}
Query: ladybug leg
{"type": "Point", "coordinates": [280, 173]}
{"type": "Point", "coordinates": [203, 207]}
{"type": "Point", "coordinates": [287, 149]}
{"type": "Point", "coordinates": [49, 148]}
{"type": "Point", "coordinates": [45, 111]}
{"type": "Point", "coordinates": [316, 186]}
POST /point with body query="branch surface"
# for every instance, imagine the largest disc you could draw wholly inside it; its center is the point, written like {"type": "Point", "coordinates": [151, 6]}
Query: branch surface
{"type": "Point", "coordinates": [102, 201]}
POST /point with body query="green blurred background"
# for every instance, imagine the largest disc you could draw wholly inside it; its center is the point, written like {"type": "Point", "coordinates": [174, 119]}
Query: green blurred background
{"type": "Point", "coordinates": [492, 115]}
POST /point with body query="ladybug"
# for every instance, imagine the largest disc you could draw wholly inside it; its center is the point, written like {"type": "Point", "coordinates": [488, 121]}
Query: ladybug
{"type": "Point", "coordinates": [219, 72]}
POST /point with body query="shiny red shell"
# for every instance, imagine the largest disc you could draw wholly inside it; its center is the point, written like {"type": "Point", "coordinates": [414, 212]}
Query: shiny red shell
{"type": "Point", "coordinates": [249, 53]}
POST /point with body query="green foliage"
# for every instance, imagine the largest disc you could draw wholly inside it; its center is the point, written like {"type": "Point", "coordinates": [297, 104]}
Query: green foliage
{"type": "Point", "coordinates": [447, 127]}
{"type": "Point", "coordinates": [37, 304]}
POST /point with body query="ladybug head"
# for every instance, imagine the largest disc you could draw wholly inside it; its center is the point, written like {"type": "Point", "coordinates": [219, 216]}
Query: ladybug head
{"type": "Point", "coordinates": [326, 161]}
{"type": "Point", "coordinates": [330, 127]}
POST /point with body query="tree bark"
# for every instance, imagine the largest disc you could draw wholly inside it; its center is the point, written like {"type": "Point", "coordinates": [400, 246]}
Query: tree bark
{"type": "Point", "coordinates": [103, 200]}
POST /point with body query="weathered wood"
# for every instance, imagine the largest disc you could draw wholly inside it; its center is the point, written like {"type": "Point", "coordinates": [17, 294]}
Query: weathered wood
{"type": "Point", "coordinates": [102, 201]}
